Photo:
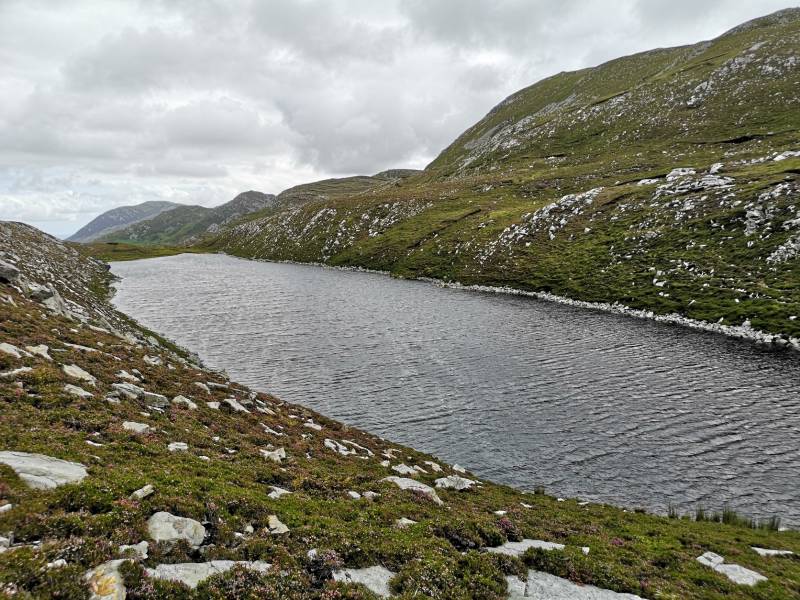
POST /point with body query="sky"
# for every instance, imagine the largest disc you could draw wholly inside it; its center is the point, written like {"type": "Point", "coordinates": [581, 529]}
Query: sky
{"type": "Point", "coordinates": [105, 103]}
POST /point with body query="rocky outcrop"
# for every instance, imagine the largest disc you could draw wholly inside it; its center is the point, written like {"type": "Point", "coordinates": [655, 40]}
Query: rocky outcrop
{"type": "Point", "coordinates": [166, 527]}
{"type": "Point", "coordinates": [43, 472]}
{"type": "Point", "coordinates": [191, 574]}
{"type": "Point", "coordinates": [375, 579]}
{"type": "Point", "coordinates": [543, 586]}
{"type": "Point", "coordinates": [415, 486]}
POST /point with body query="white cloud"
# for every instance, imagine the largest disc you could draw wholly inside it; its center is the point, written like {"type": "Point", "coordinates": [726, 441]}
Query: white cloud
{"type": "Point", "coordinates": [111, 102]}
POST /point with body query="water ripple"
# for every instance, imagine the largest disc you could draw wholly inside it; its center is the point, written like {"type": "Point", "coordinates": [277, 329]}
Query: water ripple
{"type": "Point", "coordinates": [524, 392]}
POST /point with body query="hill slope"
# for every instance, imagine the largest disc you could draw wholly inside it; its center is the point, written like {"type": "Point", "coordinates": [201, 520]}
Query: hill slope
{"type": "Point", "coordinates": [118, 218]}
{"type": "Point", "coordinates": [187, 224]}
{"type": "Point", "coordinates": [666, 181]}
{"type": "Point", "coordinates": [171, 466]}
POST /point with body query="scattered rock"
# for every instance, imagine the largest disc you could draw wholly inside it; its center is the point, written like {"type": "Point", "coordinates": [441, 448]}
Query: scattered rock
{"type": "Point", "coordinates": [143, 492]}
{"type": "Point", "coordinates": [543, 586]}
{"type": "Point", "coordinates": [76, 372]}
{"type": "Point", "coordinates": [736, 573]}
{"type": "Point", "coordinates": [375, 579]}
{"type": "Point", "coordinates": [185, 401]}
{"type": "Point", "coordinates": [354, 495]}
{"type": "Point", "coordinates": [56, 564]}
{"type": "Point", "coordinates": [338, 447]}
{"type": "Point", "coordinates": [139, 550]}
{"type": "Point", "coordinates": [43, 472]}
{"type": "Point", "coordinates": [409, 484]}
{"type": "Point", "coordinates": [519, 548]}
{"type": "Point", "coordinates": [11, 350]}
{"type": "Point", "coordinates": [105, 581]}
{"type": "Point", "coordinates": [41, 350]}
{"type": "Point", "coordinates": [404, 469]}
{"type": "Point", "coordinates": [232, 402]}
{"type": "Point", "coordinates": [130, 377]}
{"type": "Point", "coordinates": [277, 492]}
{"type": "Point", "coordinates": [213, 405]}
{"type": "Point", "coordinates": [370, 495]}
{"type": "Point", "coordinates": [130, 391]}
{"type": "Point", "coordinates": [15, 372]}
{"type": "Point", "coordinates": [8, 272]}
{"type": "Point", "coordinates": [768, 552]}
{"type": "Point", "coordinates": [275, 526]}
{"type": "Point", "coordinates": [135, 427]}
{"type": "Point", "coordinates": [177, 446]}
{"type": "Point", "coordinates": [434, 466]}
{"type": "Point", "coordinates": [191, 574]}
{"type": "Point", "coordinates": [5, 508]}
{"type": "Point", "coordinates": [455, 482]}
{"type": "Point", "coordinates": [459, 469]}
{"type": "Point", "coordinates": [404, 522]}
{"type": "Point", "coordinates": [311, 425]}
{"type": "Point", "coordinates": [274, 455]}
{"type": "Point", "coordinates": [166, 527]}
{"type": "Point", "coordinates": [157, 400]}
{"type": "Point", "coordinates": [153, 361]}
{"type": "Point", "coordinates": [202, 386]}
{"type": "Point", "coordinates": [74, 390]}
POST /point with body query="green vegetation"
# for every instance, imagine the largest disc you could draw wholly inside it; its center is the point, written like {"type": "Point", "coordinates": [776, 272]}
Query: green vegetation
{"type": "Point", "coordinates": [118, 251]}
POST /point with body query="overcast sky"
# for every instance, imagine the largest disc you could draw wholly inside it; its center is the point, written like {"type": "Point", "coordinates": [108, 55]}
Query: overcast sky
{"type": "Point", "coordinates": [105, 103]}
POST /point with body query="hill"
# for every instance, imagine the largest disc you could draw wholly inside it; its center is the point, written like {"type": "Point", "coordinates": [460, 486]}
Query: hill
{"type": "Point", "coordinates": [127, 469]}
{"type": "Point", "coordinates": [119, 218]}
{"type": "Point", "coordinates": [665, 182]}
{"type": "Point", "coordinates": [187, 224]}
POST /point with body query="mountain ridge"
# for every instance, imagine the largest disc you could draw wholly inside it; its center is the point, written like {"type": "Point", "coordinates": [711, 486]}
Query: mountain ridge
{"type": "Point", "coordinates": [119, 218]}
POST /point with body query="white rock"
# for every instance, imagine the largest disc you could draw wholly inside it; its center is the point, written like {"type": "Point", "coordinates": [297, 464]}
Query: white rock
{"type": "Point", "coordinates": [177, 446]}
{"type": "Point", "coordinates": [105, 581]}
{"type": "Point", "coordinates": [338, 447]}
{"type": "Point", "coordinates": [203, 387]}
{"type": "Point", "coordinates": [455, 482]}
{"type": "Point", "coordinates": [376, 579]}
{"type": "Point", "coordinates": [404, 522]}
{"type": "Point", "coordinates": [5, 508]}
{"type": "Point", "coordinates": [273, 455]}
{"type": "Point", "coordinates": [459, 469]}
{"type": "Point", "coordinates": [76, 372]}
{"type": "Point", "coordinates": [125, 375]}
{"type": "Point", "coordinates": [768, 552]}
{"type": "Point", "coordinates": [135, 427]}
{"type": "Point", "coordinates": [11, 350]}
{"type": "Point", "coordinates": [311, 425]}
{"type": "Point", "coordinates": [277, 492]}
{"type": "Point", "coordinates": [409, 484]}
{"type": "Point", "coordinates": [15, 372]}
{"type": "Point", "coordinates": [74, 390]}
{"type": "Point", "coordinates": [56, 564]}
{"type": "Point", "coordinates": [185, 401]}
{"type": "Point", "coordinates": [130, 391]}
{"type": "Point", "coordinates": [275, 526]}
{"type": "Point", "coordinates": [153, 361]}
{"type": "Point", "coordinates": [736, 573]}
{"type": "Point", "coordinates": [370, 495]}
{"type": "Point", "coordinates": [191, 574]}
{"type": "Point", "coordinates": [143, 492]}
{"type": "Point", "coordinates": [543, 586]}
{"type": "Point", "coordinates": [519, 548]}
{"type": "Point", "coordinates": [41, 350]}
{"type": "Point", "coordinates": [165, 527]}
{"type": "Point", "coordinates": [404, 469]}
{"type": "Point", "coordinates": [235, 405]}
{"type": "Point", "coordinates": [43, 472]}
{"type": "Point", "coordinates": [213, 405]}
{"type": "Point", "coordinates": [139, 550]}
{"type": "Point", "coordinates": [354, 495]}
{"type": "Point", "coordinates": [434, 466]}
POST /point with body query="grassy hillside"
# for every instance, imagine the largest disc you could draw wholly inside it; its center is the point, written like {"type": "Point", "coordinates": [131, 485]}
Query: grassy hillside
{"type": "Point", "coordinates": [119, 218]}
{"type": "Point", "coordinates": [244, 450]}
{"type": "Point", "coordinates": [666, 181]}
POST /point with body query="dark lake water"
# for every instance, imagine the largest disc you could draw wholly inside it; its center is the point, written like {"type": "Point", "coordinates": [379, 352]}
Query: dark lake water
{"type": "Point", "coordinates": [524, 392]}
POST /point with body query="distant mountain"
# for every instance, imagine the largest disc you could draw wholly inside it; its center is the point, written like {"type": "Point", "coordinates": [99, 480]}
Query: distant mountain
{"type": "Point", "coordinates": [667, 182]}
{"type": "Point", "coordinates": [187, 224]}
{"type": "Point", "coordinates": [118, 218]}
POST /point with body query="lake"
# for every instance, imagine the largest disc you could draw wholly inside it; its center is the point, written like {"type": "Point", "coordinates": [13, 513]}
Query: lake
{"type": "Point", "coordinates": [524, 392]}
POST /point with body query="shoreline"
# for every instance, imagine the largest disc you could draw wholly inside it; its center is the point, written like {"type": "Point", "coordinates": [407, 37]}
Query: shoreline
{"type": "Point", "coordinates": [737, 332]}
